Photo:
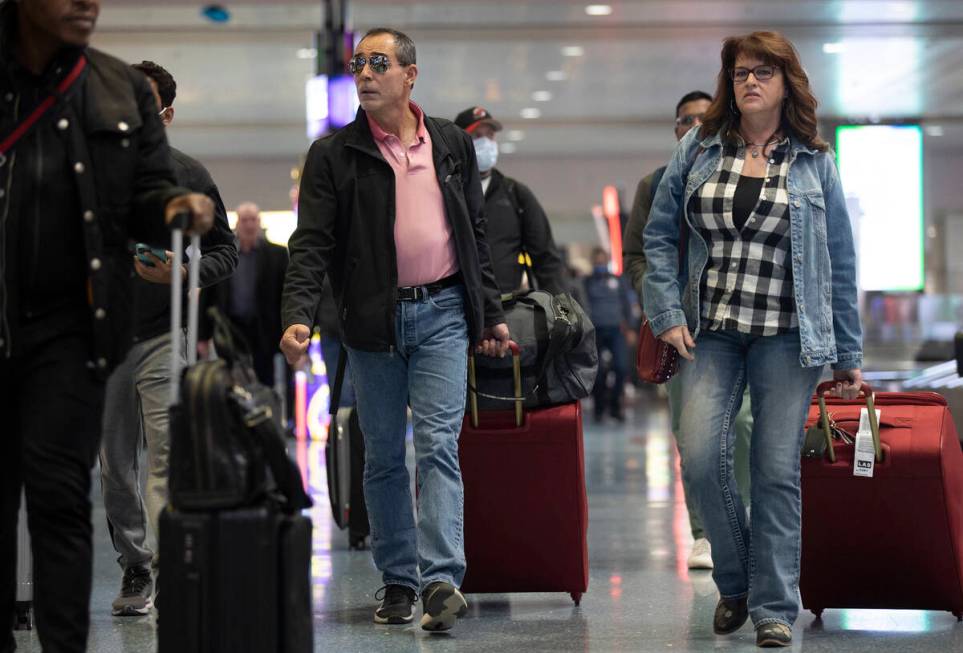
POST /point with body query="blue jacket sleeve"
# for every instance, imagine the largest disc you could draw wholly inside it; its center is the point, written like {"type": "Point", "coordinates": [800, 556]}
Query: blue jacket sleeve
{"type": "Point", "coordinates": [662, 294]}
{"type": "Point", "coordinates": [842, 257]}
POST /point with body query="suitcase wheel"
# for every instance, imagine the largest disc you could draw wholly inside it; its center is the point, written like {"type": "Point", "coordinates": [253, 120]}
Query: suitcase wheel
{"type": "Point", "coordinates": [576, 597]}
{"type": "Point", "coordinates": [23, 619]}
{"type": "Point", "coordinates": [958, 615]}
{"type": "Point", "coordinates": [818, 612]}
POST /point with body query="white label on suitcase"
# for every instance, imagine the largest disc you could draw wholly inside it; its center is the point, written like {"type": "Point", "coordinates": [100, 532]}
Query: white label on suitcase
{"type": "Point", "coordinates": [864, 457]}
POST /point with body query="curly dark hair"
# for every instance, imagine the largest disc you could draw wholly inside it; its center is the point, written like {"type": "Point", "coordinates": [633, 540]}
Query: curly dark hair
{"type": "Point", "coordinates": [799, 107]}
{"type": "Point", "coordinates": [166, 86]}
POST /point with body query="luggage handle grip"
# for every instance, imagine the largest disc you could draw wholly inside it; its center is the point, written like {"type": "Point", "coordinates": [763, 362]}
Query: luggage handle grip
{"type": "Point", "coordinates": [193, 299]}
{"type": "Point", "coordinates": [516, 375]}
{"type": "Point", "coordinates": [867, 392]}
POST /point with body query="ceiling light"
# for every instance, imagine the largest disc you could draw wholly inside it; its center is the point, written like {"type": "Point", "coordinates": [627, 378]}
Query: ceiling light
{"type": "Point", "coordinates": [531, 113]}
{"type": "Point", "coordinates": [507, 148]}
{"type": "Point", "coordinates": [514, 134]}
{"type": "Point", "coordinates": [542, 96]}
{"type": "Point", "coordinates": [556, 76]}
{"type": "Point", "coordinates": [598, 10]}
{"type": "Point", "coordinates": [835, 47]}
{"type": "Point", "coordinates": [307, 53]}
{"type": "Point", "coordinates": [934, 130]}
{"type": "Point", "coordinates": [573, 51]}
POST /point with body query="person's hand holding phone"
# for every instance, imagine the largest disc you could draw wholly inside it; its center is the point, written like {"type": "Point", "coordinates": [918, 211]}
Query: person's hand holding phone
{"type": "Point", "coordinates": [151, 267]}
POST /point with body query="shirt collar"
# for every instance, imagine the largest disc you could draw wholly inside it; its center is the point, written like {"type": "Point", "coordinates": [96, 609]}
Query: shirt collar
{"type": "Point", "coordinates": [380, 134]}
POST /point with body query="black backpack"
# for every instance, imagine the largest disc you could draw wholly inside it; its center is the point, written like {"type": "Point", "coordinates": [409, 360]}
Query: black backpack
{"type": "Point", "coordinates": [227, 449]}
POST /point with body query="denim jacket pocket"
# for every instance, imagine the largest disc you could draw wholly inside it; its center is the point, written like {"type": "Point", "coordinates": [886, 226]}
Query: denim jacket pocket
{"type": "Point", "coordinates": [817, 213]}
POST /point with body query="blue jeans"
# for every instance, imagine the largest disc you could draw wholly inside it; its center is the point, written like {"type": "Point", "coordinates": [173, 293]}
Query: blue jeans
{"type": "Point", "coordinates": [427, 371]}
{"type": "Point", "coordinates": [758, 559]}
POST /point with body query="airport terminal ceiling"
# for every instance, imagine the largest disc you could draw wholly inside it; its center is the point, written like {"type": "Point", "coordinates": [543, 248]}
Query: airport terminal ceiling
{"type": "Point", "coordinates": [563, 82]}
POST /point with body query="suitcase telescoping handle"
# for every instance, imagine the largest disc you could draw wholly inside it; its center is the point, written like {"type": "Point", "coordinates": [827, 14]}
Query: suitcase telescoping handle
{"type": "Point", "coordinates": [867, 393]}
{"type": "Point", "coordinates": [193, 297]}
{"type": "Point", "coordinates": [516, 375]}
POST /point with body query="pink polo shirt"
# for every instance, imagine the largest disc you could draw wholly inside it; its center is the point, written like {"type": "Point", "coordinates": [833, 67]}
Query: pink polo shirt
{"type": "Point", "coordinates": [423, 240]}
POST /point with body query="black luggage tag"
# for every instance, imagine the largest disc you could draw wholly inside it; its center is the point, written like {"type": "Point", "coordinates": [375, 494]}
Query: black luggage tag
{"type": "Point", "coordinates": [814, 445]}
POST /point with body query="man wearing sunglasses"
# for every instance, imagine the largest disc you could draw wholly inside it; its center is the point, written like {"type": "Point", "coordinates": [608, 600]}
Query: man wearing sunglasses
{"type": "Point", "coordinates": [688, 115]}
{"type": "Point", "coordinates": [391, 207]}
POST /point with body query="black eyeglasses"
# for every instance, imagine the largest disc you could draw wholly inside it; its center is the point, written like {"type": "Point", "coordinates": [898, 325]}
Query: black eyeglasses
{"type": "Point", "coordinates": [378, 62]}
{"type": "Point", "coordinates": [689, 120]}
{"type": "Point", "coordinates": [761, 73]}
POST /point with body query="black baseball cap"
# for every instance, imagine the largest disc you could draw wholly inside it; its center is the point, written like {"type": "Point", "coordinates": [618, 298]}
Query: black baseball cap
{"type": "Point", "coordinates": [469, 119]}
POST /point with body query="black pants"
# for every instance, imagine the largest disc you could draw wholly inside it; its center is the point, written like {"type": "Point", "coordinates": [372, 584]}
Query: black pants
{"type": "Point", "coordinates": [51, 408]}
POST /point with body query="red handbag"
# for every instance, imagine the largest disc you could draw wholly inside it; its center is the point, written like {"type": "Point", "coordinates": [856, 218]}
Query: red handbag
{"type": "Point", "coordinates": [655, 360]}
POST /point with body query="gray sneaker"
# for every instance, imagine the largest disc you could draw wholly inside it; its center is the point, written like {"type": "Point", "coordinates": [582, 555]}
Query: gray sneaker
{"type": "Point", "coordinates": [136, 593]}
{"type": "Point", "coordinates": [442, 603]}
{"type": "Point", "coordinates": [397, 603]}
{"type": "Point", "coordinates": [773, 635]}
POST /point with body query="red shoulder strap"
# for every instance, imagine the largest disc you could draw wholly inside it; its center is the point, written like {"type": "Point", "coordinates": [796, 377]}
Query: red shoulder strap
{"type": "Point", "coordinates": [21, 130]}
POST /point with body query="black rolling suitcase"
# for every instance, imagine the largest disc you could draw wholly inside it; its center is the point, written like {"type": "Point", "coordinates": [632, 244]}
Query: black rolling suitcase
{"type": "Point", "coordinates": [235, 580]}
{"type": "Point", "coordinates": [344, 460]}
{"type": "Point", "coordinates": [235, 552]}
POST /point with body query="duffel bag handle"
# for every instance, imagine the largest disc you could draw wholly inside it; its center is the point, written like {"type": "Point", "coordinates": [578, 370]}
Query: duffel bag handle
{"type": "Point", "coordinates": [516, 376]}
{"type": "Point", "coordinates": [870, 410]}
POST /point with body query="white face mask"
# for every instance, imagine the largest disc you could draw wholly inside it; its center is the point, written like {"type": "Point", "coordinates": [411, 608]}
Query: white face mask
{"type": "Point", "coordinates": [486, 152]}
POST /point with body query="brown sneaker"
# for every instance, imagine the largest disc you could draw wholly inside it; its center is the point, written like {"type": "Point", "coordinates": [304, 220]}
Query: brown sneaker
{"type": "Point", "coordinates": [730, 615]}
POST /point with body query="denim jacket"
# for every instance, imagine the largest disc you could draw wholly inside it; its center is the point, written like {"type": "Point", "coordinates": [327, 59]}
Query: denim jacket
{"type": "Point", "coordinates": [823, 254]}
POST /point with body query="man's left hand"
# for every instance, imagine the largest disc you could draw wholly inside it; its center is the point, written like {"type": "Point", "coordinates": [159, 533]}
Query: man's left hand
{"type": "Point", "coordinates": [494, 341]}
{"type": "Point", "coordinates": [161, 272]}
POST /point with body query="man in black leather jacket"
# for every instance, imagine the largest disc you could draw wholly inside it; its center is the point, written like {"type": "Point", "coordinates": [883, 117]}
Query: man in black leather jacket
{"type": "Point", "coordinates": [92, 173]}
{"type": "Point", "coordinates": [518, 233]}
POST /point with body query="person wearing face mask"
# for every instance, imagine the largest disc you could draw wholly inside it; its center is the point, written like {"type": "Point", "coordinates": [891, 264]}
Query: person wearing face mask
{"type": "Point", "coordinates": [688, 115]}
{"type": "Point", "coordinates": [517, 224]}
{"type": "Point", "coordinates": [609, 299]}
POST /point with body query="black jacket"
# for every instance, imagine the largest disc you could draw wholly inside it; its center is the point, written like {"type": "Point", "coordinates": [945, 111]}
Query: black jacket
{"type": "Point", "coordinates": [271, 262]}
{"type": "Point", "coordinates": [121, 171]}
{"type": "Point", "coordinates": [152, 301]}
{"type": "Point", "coordinates": [517, 223]}
{"type": "Point", "coordinates": [346, 230]}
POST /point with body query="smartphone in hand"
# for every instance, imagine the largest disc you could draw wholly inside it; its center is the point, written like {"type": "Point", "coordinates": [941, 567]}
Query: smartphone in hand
{"type": "Point", "coordinates": [141, 250]}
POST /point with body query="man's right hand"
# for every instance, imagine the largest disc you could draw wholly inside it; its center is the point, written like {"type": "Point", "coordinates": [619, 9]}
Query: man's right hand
{"type": "Point", "coordinates": [680, 338]}
{"type": "Point", "coordinates": [198, 205]}
{"type": "Point", "coordinates": [294, 343]}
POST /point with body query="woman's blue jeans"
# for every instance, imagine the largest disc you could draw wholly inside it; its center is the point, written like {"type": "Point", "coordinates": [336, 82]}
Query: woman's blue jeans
{"type": "Point", "coordinates": [756, 558]}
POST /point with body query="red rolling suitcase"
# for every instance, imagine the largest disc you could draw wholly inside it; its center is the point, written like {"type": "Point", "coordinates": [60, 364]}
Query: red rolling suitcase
{"type": "Point", "coordinates": [526, 511]}
{"type": "Point", "coordinates": [893, 541]}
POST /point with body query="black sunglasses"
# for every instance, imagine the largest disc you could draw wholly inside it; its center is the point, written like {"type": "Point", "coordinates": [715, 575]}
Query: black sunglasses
{"type": "Point", "coordinates": [378, 62]}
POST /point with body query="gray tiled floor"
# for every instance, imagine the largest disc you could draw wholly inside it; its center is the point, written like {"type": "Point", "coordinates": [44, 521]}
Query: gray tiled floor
{"type": "Point", "coordinates": [640, 598]}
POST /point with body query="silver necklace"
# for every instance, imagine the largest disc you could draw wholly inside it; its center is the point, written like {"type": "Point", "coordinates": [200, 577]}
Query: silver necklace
{"type": "Point", "coordinates": [754, 147]}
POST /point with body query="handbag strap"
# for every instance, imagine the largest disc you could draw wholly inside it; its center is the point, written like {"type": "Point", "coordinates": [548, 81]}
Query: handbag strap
{"type": "Point", "coordinates": [28, 123]}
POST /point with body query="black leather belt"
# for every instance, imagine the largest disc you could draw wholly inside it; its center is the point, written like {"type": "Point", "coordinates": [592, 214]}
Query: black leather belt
{"type": "Point", "coordinates": [417, 293]}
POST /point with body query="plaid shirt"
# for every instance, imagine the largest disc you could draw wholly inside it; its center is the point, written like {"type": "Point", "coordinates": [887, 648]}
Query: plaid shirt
{"type": "Point", "coordinates": [747, 285]}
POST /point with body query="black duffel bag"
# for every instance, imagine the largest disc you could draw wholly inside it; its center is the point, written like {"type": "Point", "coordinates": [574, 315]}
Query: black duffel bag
{"type": "Point", "coordinates": [559, 357]}
{"type": "Point", "coordinates": [227, 449]}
